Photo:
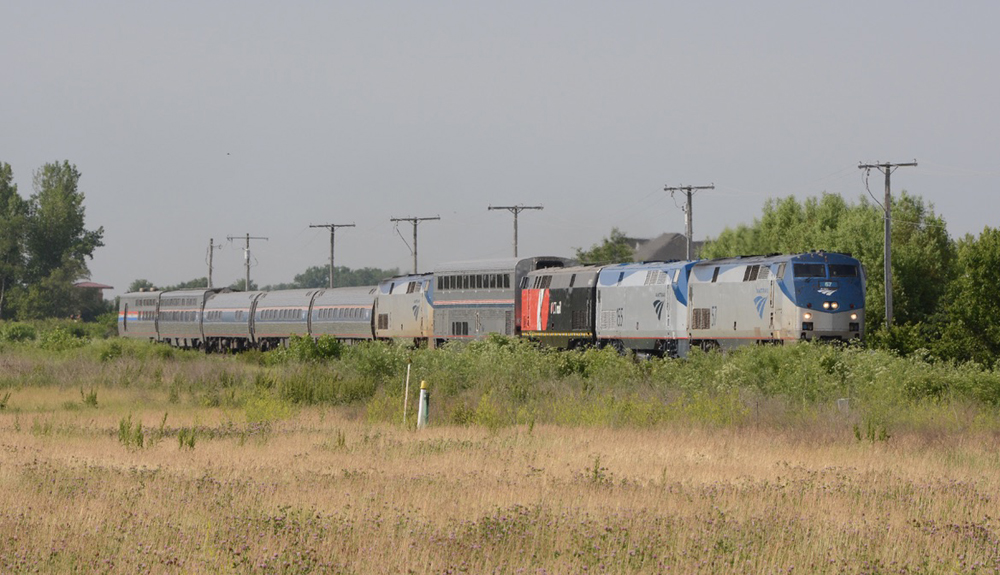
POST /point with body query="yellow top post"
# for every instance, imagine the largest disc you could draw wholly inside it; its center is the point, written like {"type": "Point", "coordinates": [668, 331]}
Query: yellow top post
{"type": "Point", "coordinates": [423, 384]}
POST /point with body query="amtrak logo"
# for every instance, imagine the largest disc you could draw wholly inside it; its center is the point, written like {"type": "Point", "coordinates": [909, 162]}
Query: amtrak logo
{"type": "Point", "coordinates": [658, 307]}
{"type": "Point", "coordinates": [827, 291]}
{"type": "Point", "coordinates": [759, 301]}
{"type": "Point", "coordinates": [416, 311]}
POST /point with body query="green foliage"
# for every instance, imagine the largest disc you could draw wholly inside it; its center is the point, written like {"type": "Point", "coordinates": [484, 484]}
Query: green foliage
{"type": "Point", "coordinates": [139, 285]}
{"type": "Point", "coordinates": [56, 246]}
{"type": "Point", "coordinates": [319, 277]}
{"type": "Point", "coordinates": [971, 331]}
{"type": "Point", "coordinates": [59, 339]}
{"type": "Point", "coordinates": [309, 385]}
{"type": "Point", "coordinates": [90, 398]}
{"type": "Point", "coordinates": [131, 434]}
{"type": "Point", "coordinates": [17, 332]}
{"type": "Point", "coordinates": [613, 249]}
{"type": "Point", "coordinates": [241, 285]}
{"type": "Point", "coordinates": [186, 438]}
{"type": "Point", "coordinates": [265, 408]}
{"type": "Point", "coordinates": [871, 430]}
{"type": "Point", "coordinates": [13, 218]}
{"type": "Point", "coordinates": [598, 475]}
{"type": "Point", "coordinates": [306, 349]}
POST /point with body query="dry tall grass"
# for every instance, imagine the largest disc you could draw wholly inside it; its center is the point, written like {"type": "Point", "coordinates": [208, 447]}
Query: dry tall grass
{"type": "Point", "coordinates": [322, 490]}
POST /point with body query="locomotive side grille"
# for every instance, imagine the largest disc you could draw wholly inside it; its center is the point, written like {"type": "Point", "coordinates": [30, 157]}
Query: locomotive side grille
{"type": "Point", "coordinates": [701, 318]}
{"type": "Point", "coordinates": [608, 319]}
{"type": "Point", "coordinates": [579, 319]}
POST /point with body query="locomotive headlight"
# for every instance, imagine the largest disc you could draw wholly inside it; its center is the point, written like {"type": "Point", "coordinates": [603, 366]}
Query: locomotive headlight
{"type": "Point", "coordinates": [834, 305]}
{"type": "Point", "coordinates": [826, 305]}
{"type": "Point", "coordinates": [854, 317]}
{"type": "Point", "coordinates": [807, 316]}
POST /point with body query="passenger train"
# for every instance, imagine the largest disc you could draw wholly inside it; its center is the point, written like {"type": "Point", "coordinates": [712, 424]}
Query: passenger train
{"type": "Point", "coordinates": [651, 308]}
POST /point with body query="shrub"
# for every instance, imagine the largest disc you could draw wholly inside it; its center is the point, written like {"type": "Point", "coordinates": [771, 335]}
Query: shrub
{"type": "Point", "coordinates": [17, 332]}
{"type": "Point", "coordinates": [59, 339]}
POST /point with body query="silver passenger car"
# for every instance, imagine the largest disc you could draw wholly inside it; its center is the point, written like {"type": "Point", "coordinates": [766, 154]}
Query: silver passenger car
{"type": "Point", "coordinates": [137, 315]}
{"type": "Point", "coordinates": [280, 314]}
{"type": "Point", "coordinates": [179, 317]}
{"type": "Point", "coordinates": [227, 321]}
{"type": "Point", "coordinates": [344, 313]}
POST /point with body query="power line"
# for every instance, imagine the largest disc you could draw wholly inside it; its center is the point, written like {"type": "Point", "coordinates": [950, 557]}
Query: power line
{"type": "Point", "coordinates": [415, 222]}
{"type": "Point", "coordinates": [515, 210]}
{"type": "Point", "coordinates": [689, 225]}
{"type": "Point", "coordinates": [887, 168]}
{"type": "Point", "coordinates": [333, 233]}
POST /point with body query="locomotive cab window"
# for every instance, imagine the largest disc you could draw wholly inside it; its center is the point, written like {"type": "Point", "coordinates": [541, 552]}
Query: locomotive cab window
{"type": "Point", "coordinates": [843, 271]}
{"type": "Point", "coordinates": [809, 270]}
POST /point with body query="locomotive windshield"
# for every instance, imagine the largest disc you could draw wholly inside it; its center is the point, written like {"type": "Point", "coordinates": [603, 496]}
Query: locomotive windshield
{"type": "Point", "coordinates": [809, 270]}
{"type": "Point", "coordinates": [843, 271]}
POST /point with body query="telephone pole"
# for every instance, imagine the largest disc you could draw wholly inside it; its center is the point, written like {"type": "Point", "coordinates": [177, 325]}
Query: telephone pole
{"type": "Point", "coordinates": [211, 252]}
{"type": "Point", "coordinates": [515, 210]}
{"type": "Point", "coordinates": [246, 255]}
{"type": "Point", "coordinates": [414, 221]}
{"type": "Point", "coordinates": [887, 169]}
{"type": "Point", "coordinates": [689, 192]}
{"type": "Point", "coordinates": [333, 231]}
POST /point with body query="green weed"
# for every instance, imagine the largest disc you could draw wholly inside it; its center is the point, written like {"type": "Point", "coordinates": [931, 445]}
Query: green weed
{"type": "Point", "coordinates": [89, 399]}
{"type": "Point", "coordinates": [131, 434]}
{"type": "Point", "coordinates": [186, 438]}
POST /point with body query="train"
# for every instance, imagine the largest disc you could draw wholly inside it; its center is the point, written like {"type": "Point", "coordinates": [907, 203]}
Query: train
{"type": "Point", "coordinates": [650, 308]}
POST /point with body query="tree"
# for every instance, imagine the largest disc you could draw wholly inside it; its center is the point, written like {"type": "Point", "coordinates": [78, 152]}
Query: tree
{"type": "Point", "coordinates": [240, 285]}
{"type": "Point", "coordinates": [56, 244]}
{"type": "Point", "coordinates": [56, 234]}
{"type": "Point", "coordinates": [319, 277]}
{"type": "Point", "coordinates": [613, 249]}
{"type": "Point", "coordinates": [970, 330]}
{"type": "Point", "coordinates": [196, 283]}
{"type": "Point", "coordinates": [13, 210]}
{"type": "Point", "coordinates": [139, 285]}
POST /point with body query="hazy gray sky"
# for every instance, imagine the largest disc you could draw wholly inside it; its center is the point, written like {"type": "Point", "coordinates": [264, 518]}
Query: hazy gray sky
{"type": "Point", "coordinates": [198, 120]}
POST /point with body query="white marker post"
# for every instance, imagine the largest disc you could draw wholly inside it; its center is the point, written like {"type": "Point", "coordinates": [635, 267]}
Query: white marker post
{"type": "Point", "coordinates": [406, 393]}
{"type": "Point", "coordinates": [425, 396]}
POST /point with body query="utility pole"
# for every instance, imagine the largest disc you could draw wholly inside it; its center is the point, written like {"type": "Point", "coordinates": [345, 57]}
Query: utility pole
{"type": "Point", "coordinates": [333, 231]}
{"type": "Point", "coordinates": [211, 251]}
{"type": "Point", "coordinates": [515, 210]}
{"type": "Point", "coordinates": [246, 255]}
{"type": "Point", "coordinates": [887, 169]}
{"type": "Point", "coordinates": [414, 221]}
{"type": "Point", "coordinates": [689, 226]}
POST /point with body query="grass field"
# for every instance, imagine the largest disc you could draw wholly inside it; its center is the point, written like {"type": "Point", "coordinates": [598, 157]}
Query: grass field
{"type": "Point", "coordinates": [152, 461]}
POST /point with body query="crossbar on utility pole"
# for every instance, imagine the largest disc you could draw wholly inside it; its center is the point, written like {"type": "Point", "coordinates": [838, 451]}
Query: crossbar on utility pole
{"type": "Point", "coordinates": [414, 221]}
{"type": "Point", "coordinates": [689, 223]}
{"type": "Point", "coordinates": [887, 168]}
{"type": "Point", "coordinates": [333, 232]}
{"type": "Point", "coordinates": [515, 210]}
{"type": "Point", "coordinates": [246, 255]}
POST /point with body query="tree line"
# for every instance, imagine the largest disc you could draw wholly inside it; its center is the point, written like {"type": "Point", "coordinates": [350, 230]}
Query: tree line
{"type": "Point", "coordinates": [945, 296]}
{"type": "Point", "coordinates": [45, 245]}
{"type": "Point", "coordinates": [312, 277]}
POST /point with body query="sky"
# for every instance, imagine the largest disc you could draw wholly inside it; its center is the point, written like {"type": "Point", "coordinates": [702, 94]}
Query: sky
{"type": "Point", "coordinates": [197, 121]}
